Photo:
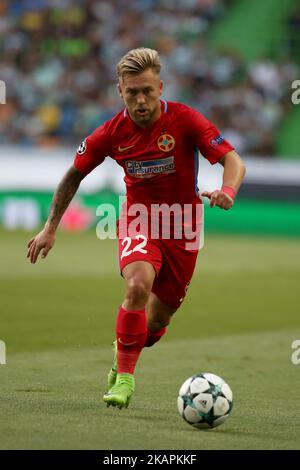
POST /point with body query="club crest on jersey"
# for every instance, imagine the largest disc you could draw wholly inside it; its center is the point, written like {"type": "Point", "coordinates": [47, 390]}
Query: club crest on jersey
{"type": "Point", "coordinates": [82, 147]}
{"type": "Point", "coordinates": [166, 142]}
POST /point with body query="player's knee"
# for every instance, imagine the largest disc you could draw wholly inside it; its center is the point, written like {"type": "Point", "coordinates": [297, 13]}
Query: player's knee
{"type": "Point", "coordinates": [138, 291]}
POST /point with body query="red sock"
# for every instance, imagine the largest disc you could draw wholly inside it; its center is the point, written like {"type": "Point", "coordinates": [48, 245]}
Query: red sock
{"type": "Point", "coordinates": [131, 330]}
{"type": "Point", "coordinates": [152, 338]}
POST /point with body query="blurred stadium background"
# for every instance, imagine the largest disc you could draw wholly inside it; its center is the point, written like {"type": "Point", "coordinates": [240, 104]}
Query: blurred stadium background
{"type": "Point", "coordinates": [234, 61]}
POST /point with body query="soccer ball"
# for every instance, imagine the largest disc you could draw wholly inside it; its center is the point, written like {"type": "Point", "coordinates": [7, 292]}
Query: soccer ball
{"type": "Point", "coordinates": [205, 400]}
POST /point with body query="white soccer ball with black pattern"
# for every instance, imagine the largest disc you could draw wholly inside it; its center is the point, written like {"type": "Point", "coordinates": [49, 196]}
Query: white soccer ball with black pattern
{"type": "Point", "coordinates": [205, 400]}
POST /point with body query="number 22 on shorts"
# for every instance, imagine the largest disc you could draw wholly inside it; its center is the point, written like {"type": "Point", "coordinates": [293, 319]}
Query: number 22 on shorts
{"type": "Point", "coordinates": [139, 247]}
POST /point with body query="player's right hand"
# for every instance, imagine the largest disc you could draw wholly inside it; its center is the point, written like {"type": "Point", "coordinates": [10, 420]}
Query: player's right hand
{"type": "Point", "coordinates": [43, 241]}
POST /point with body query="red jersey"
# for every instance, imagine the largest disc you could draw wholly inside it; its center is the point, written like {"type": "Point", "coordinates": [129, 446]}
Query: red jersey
{"type": "Point", "coordinates": [161, 161]}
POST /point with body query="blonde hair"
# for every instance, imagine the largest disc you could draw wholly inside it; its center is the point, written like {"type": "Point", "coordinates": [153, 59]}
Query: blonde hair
{"type": "Point", "coordinates": [137, 61]}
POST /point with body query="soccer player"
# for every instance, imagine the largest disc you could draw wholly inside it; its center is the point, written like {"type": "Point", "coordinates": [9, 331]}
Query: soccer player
{"type": "Point", "coordinates": [156, 142]}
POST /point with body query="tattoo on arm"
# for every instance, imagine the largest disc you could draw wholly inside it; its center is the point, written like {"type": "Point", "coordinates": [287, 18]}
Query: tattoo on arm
{"type": "Point", "coordinates": [63, 196]}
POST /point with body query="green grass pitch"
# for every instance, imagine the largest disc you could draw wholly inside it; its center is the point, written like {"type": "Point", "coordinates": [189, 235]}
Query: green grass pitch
{"type": "Point", "coordinates": [238, 321]}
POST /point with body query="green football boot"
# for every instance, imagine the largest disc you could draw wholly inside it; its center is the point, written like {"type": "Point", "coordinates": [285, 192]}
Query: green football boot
{"type": "Point", "coordinates": [112, 375]}
{"type": "Point", "coordinates": [120, 394]}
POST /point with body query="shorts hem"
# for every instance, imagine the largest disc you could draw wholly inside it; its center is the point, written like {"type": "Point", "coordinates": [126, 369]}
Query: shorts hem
{"type": "Point", "coordinates": [135, 260]}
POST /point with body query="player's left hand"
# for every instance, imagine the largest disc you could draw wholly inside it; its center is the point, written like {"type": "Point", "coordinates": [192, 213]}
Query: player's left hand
{"type": "Point", "coordinates": [219, 199]}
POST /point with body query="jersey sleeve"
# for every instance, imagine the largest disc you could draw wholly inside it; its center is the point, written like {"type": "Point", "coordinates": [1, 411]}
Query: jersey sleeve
{"type": "Point", "coordinates": [93, 150]}
{"type": "Point", "coordinates": [207, 137]}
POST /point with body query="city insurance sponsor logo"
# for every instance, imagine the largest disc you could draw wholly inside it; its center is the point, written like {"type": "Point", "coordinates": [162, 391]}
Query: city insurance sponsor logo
{"type": "Point", "coordinates": [2, 92]}
{"type": "Point", "coordinates": [2, 353]}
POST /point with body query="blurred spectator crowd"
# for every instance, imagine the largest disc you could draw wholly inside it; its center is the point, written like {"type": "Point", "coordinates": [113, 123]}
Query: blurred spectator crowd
{"type": "Point", "coordinates": [58, 58]}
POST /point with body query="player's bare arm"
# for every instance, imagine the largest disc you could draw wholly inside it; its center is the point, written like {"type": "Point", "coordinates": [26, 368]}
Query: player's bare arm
{"type": "Point", "coordinates": [63, 195]}
{"type": "Point", "coordinates": [234, 173]}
